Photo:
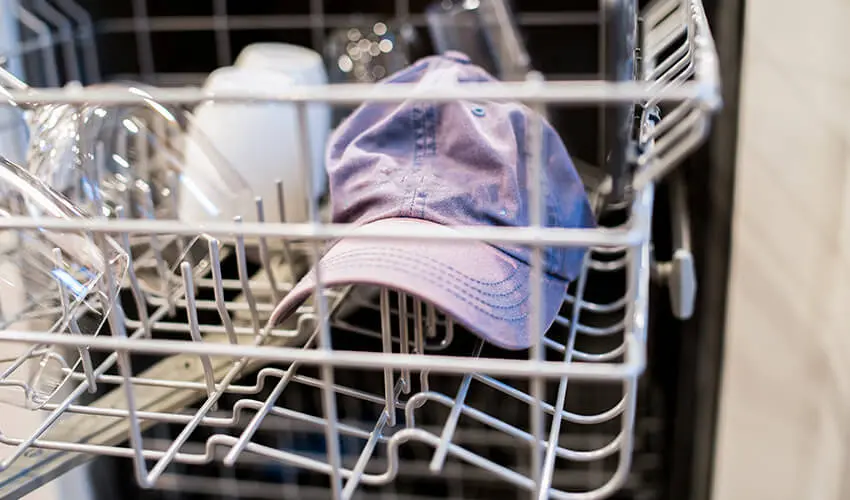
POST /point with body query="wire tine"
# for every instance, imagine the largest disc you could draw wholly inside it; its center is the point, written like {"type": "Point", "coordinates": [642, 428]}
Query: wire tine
{"type": "Point", "coordinates": [404, 332]}
{"type": "Point", "coordinates": [328, 395]}
{"type": "Point", "coordinates": [85, 356]}
{"type": "Point", "coordinates": [365, 456]}
{"type": "Point", "coordinates": [537, 216]}
{"type": "Point", "coordinates": [86, 33]}
{"type": "Point", "coordinates": [317, 18]}
{"type": "Point", "coordinates": [252, 427]}
{"type": "Point", "coordinates": [141, 23]}
{"type": "Point", "coordinates": [66, 37]}
{"type": "Point", "coordinates": [288, 255]}
{"type": "Point", "coordinates": [264, 253]}
{"type": "Point", "coordinates": [60, 409]}
{"type": "Point", "coordinates": [144, 171]}
{"type": "Point", "coordinates": [177, 443]}
{"type": "Point", "coordinates": [99, 168]}
{"type": "Point", "coordinates": [450, 332]}
{"type": "Point", "coordinates": [386, 337]}
{"type": "Point", "coordinates": [138, 294]}
{"type": "Point", "coordinates": [116, 324]}
{"type": "Point", "coordinates": [174, 186]}
{"type": "Point", "coordinates": [419, 341]}
{"type": "Point", "coordinates": [121, 148]}
{"type": "Point", "coordinates": [450, 426]}
{"type": "Point", "coordinates": [431, 321]}
{"type": "Point", "coordinates": [242, 263]}
{"type": "Point", "coordinates": [45, 39]}
{"type": "Point", "coordinates": [218, 289]}
{"type": "Point", "coordinates": [161, 266]}
{"type": "Point", "coordinates": [555, 428]}
{"type": "Point", "coordinates": [194, 329]}
{"type": "Point", "coordinates": [222, 33]}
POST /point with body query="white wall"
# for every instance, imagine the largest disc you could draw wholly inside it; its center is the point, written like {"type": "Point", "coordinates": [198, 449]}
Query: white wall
{"type": "Point", "coordinates": [784, 429]}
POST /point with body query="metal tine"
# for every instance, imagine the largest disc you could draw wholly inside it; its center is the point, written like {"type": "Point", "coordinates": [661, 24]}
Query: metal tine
{"type": "Point", "coordinates": [555, 428]}
{"type": "Point", "coordinates": [181, 242]}
{"type": "Point", "coordinates": [536, 353]}
{"type": "Point", "coordinates": [66, 37]}
{"type": "Point", "coordinates": [135, 287]}
{"type": "Point", "coordinates": [419, 341]}
{"type": "Point", "coordinates": [264, 252]}
{"type": "Point", "coordinates": [218, 288]}
{"type": "Point", "coordinates": [450, 331]}
{"type": "Point", "coordinates": [161, 266]}
{"type": "Point", "coordinates": [45, 39]}
{"type": "Point", "coordinates": [365, 456]}
{"type": "Point", "coordinates": [404, 332]}
{"type": "Point", "coordinates": [194, 329]}
{"type": "Point", "coordinates": [143, 40]}
{"type": "Point", "coordinates": [450, 426]}
{"type": "Point", "coordinates": [99, 168]}
{"type": "Point", "coordinates": [116, 326]}
{"type": "Point", "coordinates": [143, 160]}
{"type": "Point", "coordinates": [375, 436]}
{"type": "Point", "coordinates": [222, 33]}
{"type": "Point", "coordinates": [173, 182]}
{"type": "Point", "coordinates": [121, 150]}
{"type": "Point", "coordinates": [85, 356]}
{"type": "Point", "coordinates": [431, 321]}
{"type": "Point", "coordinates": [86, 33]}
{"type": "Point", "coordinates": [10, 81]}
{"type": "Point", "coordinates": [60, 409]}
{"type": "Point", "coordinates": [249, 430]}
{"type": "Point", "coordinates": [329, 406]}
{"type": "Point", "coordinates": [386, 336]}
{"type": "Point", "coordinates": [242, 264]}
{"type": "Point", "coordinates": [287, 250]}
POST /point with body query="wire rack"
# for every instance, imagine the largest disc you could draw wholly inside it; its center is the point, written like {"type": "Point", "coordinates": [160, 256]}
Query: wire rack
{"type": "Point", "coordinates": [363, 393]}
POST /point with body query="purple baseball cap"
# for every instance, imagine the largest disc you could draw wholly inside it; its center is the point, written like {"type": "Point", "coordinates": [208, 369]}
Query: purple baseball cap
{"type": "Point", "coordinates": [404, 166]}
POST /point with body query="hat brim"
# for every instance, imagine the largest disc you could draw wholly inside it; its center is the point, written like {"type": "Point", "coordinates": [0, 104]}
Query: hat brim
{"type": "Point", "coordinates": [480, 287]}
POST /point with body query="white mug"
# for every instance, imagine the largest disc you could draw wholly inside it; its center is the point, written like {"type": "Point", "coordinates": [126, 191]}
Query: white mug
{"type": "Point", "coordinates": [305, 67]}
{"type": "Point", "coordinates": [236, 151]}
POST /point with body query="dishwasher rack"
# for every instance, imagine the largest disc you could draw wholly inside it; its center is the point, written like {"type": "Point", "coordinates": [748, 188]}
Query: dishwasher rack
{"type": "Point", "coordinates": [194, 354]}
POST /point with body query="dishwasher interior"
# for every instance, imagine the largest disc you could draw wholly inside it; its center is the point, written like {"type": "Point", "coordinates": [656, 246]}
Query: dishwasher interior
{"type": "Point", "coordinates": [175, 44]}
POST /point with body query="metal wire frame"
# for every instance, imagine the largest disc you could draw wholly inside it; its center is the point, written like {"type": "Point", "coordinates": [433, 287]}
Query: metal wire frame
{"type": "Point", "coordinates": [75, 415]}
{"type": "Point", "coordinates": [213, 358]}
{"type": "Point", "coordinates": [217, 372]}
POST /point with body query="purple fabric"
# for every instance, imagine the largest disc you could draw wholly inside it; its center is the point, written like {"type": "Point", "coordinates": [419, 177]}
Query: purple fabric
{"type": "Point", "coordinates": [411, 164]}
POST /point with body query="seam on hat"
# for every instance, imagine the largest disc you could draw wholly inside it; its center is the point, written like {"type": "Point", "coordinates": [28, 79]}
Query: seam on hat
{"type": "Point", "coordinates": [453, 288]}
{"type": "Point", "coordinates": [457, 288]}
{"type": "Point", "coordinates": [429, 261]}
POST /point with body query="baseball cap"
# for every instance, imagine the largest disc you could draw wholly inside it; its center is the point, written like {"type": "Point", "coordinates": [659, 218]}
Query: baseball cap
{"type": "Point", "coordinates": [405, 166]}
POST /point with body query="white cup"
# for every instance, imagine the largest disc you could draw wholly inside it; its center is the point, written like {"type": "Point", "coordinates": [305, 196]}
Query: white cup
{"type": "Point", "coordinates": [236, 151]}
{"type": "Point", "coordinates": [305, 67]}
